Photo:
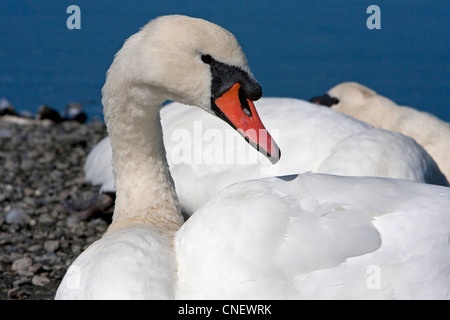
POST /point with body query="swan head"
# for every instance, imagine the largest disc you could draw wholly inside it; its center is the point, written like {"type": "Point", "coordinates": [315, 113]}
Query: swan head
{"type": "Point", "coordinates": [194, 62]}
{"type": "Point", "coordinates": [346, 95]}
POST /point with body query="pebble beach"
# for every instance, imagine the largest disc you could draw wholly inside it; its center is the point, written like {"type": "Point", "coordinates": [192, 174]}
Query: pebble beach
{"type": "Point", "coordinates": [41, 171]}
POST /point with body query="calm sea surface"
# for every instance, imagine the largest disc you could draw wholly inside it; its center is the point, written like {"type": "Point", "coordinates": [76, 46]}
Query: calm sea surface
{"type": "Point", "coordinates": [295, 48]}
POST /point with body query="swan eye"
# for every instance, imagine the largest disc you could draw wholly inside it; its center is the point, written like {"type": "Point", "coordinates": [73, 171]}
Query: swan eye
{"type": "Point", "coordinates": [206, 58]}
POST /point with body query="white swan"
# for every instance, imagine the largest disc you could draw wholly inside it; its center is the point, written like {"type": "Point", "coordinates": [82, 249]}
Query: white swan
{"type": "Point", "coordinates": [366, 105]}
{"type": "Point", "coordinates": [312, 235]}
{"type": "Point", "coordinates": [318, 236]}
{"type": "Point", "coordinates": [312, 139]}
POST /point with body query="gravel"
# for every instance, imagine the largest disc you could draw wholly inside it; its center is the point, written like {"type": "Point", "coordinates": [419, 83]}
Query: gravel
{"type": "Point", "coordinates": [41, 167]}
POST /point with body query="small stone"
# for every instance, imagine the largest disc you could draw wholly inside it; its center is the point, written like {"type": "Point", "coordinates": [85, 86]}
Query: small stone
{"type": "Point", "coordinates": [27, 165]}
{"type": "Point", "coordinates": [49, 258]}
{"type": "Point", "coordinates": [21, 281]}
{"type": "Point", "coordinates": [40, 280]}
{"type": "Point", "coordinates": [22, 264]}
{"type": "Point", "coordinates": [72, 221]}
{"type": "Point", "coordinates": [29, 202]}
{"type": "Point", "coordinates": [35, 248]}
{"type": "Point", "coordinates": [28, 191]}
{"type": "Point", "coordinates": [35, 267]}
{"type": "Point", "coordinates": [5, 134]}
{"type": "Point", "coordinates": [13, 293]}
{"type": "Point", "coordinates": [76, 249]}
{"type": "Point", "coordinates": [51, 245]}
{"type": "Point", "coordinates": [46, 219]}
{"type": "Point", "coordinates": [16, 216]}
{"type": "Point", "coordinates": [62, 165]}
{"type": "Point", "coordinates": [32, 222]}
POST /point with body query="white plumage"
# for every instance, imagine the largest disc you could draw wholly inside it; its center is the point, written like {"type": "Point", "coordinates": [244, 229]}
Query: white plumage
{"type": "Point", "coordinates": [318, 236]}
{"type": "Point", "coordinates": [366, 105]}
{"type": "Point", "coordinates": [98, 167]}
{"type": "Point", "coordinates": [130, 263]}
{"type": "Point", "coordinates": [300, 236]}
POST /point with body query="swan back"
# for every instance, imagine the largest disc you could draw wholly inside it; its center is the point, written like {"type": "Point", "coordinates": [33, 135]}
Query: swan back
{"type": "Point", "coordinates": [318, 236]}
{"type": "Point", "coordinates": [366, 105]}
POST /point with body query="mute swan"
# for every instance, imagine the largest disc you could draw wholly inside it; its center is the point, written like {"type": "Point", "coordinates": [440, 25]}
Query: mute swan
{"type": "Point", "coordinates": [313, 139]}
{"type": "Point", "coordinates": [311, 235]}
{"type": "Point", "coordinates": [178, 58]}
{"type": "Point", "coordinates": [366, 105]}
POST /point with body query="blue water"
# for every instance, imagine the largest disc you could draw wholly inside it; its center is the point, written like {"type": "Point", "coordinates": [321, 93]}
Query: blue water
{"type": "Point", "coordinates": [295, 48]}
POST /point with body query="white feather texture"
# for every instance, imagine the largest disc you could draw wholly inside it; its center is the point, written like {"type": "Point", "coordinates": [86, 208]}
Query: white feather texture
{"type": "Point", "coordinates": [366, 105]}
{"type": "Point", "coordinates": [318, 236]}
{"type": "Point", "coordinates": [131, 263]}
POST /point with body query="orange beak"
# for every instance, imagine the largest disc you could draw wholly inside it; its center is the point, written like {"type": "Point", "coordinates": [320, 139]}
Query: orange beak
{"type": "Point", "coordinates": [240, 113]}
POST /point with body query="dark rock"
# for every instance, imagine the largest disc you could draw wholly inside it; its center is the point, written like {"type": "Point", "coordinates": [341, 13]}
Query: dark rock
{"type": "Point", "coordinates": [21, 281]}
{"type": "Point", "coordinates": [46, 112]}
{"type": "Point", "coordinates": [6, 108]}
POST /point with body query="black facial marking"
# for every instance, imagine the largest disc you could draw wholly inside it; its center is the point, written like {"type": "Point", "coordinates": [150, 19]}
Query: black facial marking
{"type": "Point", "coordinates": [224, 76]}
{"type": "Point", "coordinates": [324, 100]}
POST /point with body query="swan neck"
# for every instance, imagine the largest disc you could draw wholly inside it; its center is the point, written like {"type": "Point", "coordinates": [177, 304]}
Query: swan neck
{"type": "Point", "coordinates": [145, 191]}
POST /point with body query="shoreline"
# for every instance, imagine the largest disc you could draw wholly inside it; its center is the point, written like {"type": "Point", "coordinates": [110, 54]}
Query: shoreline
{"type": "Point", "coordinates": [41, 167]}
